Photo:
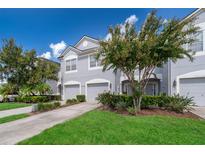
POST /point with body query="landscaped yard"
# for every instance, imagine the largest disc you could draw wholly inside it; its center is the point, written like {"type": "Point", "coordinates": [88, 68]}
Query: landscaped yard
{"type": "Point", "coordinates": [103, 127]}
{"type": "Point", "coordinates": [8, 106]}
{"type": "Point", "coordinates": [12, 118]}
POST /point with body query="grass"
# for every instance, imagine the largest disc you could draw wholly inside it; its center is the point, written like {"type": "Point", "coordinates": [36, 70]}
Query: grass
{"type": "Point", "coordinates": [101, 127]}
{"type": "Point", "coordinates": [12, 118]}
{"type": "Point", "coordinates": [8, 106]}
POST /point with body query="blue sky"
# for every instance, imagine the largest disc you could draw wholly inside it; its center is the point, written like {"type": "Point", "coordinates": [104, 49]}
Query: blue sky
{"type": "Point", "coordinates": [48, 30]}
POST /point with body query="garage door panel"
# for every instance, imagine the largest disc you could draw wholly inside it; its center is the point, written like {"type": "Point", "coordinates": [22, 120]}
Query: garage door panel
{"type": "Point", "coordinates": [71, 91]}
{"type": "Point", "coordinates": [194, 88]}
{"type": "Point", "coordinates": [94, 89]}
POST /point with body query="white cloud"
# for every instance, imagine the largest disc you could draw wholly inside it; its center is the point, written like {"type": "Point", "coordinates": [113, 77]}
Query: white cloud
{"type": "Point", "coordinates": [131, 20]}
{"type": "Point", "coordinates": [108, 37]}
{"type": "Point", "coordinates": [57, 48]}
{"type": "Point", "coordinates": [46, 55]}
{"type": "Point", "coordinates": [165, 21]}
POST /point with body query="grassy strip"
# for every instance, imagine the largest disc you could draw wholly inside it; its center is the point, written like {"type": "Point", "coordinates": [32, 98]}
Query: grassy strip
{"type": "Point", "coordinates": [8, 106]}
{"type": "Point", "coordinates": [12, 118]}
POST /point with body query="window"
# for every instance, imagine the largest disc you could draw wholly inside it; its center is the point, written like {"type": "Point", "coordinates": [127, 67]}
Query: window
{"type": "Point", "coordinates": [198, 44]}
{"type": "Point", "coordinates": [71, 65]}
{"type": "Point", "coordinates": [94, 62]}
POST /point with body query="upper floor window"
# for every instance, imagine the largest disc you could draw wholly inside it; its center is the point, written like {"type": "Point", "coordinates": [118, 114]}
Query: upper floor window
{"type": "Point", "coordinates": [198, 44]}
{"type": "Point", "coordinates": [94, 62]}
{"type": "Point", "coordinates": [71, 65]}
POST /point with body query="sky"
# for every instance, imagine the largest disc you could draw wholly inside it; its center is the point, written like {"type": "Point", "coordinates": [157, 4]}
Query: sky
{"type": "Point", "coordinates": [49, 31]}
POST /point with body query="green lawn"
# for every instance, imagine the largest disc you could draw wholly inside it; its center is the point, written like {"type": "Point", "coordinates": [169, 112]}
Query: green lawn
{"type": "Point", "coordinates": [8, 106]}
{"type": "Point", "coordinates": [101, 127]}
{"type": "Point", "coordinates": [12, 118]}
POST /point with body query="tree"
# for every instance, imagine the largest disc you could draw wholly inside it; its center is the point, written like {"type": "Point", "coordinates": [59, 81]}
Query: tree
{"type": "Point", "coordinates": [23, 68]}
{"type": "Point", "coordinates": [142, 51]}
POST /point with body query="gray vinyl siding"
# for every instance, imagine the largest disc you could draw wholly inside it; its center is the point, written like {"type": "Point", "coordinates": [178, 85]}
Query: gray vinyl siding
{"type": "Point", "coordinates": [184, 66]}
{"type": "Point", "coordinates": [83, 74]}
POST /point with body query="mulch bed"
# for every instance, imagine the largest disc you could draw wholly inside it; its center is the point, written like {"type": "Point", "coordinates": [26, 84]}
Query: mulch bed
{"type": "Point", "coordinates": [155, 111]}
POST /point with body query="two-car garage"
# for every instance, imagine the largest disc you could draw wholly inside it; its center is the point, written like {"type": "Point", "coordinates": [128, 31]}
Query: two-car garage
{"type": "Point", "coordinates": [193, 85]}
{"type": "Point", "coordinates": [92, 89]}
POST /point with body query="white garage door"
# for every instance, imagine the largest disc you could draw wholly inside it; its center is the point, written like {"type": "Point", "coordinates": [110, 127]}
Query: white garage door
{"type": "Point", "coordinates": [71, 91]}
{"type": "Point", "coordinates": [194, 87]}
{"type": "Point", "coordinates": [94, 89]}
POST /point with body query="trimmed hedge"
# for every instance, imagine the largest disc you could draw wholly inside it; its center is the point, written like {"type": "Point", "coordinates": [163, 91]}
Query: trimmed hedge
{"type": "Point", "coordinates": [121, 101]}
{"type": "Point", "coordinates": [72, 101]}
{"type": "Point", "coordinates": [37, 99]}
{"type": "Point", "coordinates": [32, 99]}
{"type": "Point", "coordinates": [48, 106]}
{"type": "Point", "coordinates": [81, 98]}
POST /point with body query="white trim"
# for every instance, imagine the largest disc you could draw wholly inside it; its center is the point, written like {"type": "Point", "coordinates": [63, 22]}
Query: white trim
{"type": "Point", "coordinates": [94, 81]}
{"type": "Point", "coordinates": [71, 57]}
{"type": "Point", "coordinates": [195, 74]}
{"type": "Point", "coordinates": [71, 83]}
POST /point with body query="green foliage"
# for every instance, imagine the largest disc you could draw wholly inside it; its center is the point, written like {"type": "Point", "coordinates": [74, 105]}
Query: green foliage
{"type": "Point", "coordinates": [7, 89]}
{"type": "Point", "coordinates": [131, 110]}
{"type": "Point", "coordinates": [24, 70]}
{"type": "Point", "coordinates": [174, 103]}
{"type": "Point", "coordinates": [152, 46]}
{"type": "Point", "coordinates": [71, 101]}
{"type": "Point", "coordinates": [32, 99]}
{"type": "Point", "coordinates": [81, 98]}
{"type": "Point", "coordinates": [179, 103]}
{"type": "Point", "coordinates": [54, 97]}
{"type": "Point", "coordinates": [48, 106]}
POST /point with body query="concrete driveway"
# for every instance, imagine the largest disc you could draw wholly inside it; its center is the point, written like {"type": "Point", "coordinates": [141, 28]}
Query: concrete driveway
{"type": "Point", "coordinates": [200, 111]}
{"type": "Point", "coordinates": [16, 131]}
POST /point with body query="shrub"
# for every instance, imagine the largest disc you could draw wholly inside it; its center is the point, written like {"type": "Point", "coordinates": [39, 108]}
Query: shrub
{"type": "Point", "coordinates": [179, 103]}
{"type": "Point", "coordinates": [131, 110]}
{"type": "Point", "coordinates": [57, 104]}
{"type": "Point", "coordinates": [72, 101]}
{"type": "Point", "coordinates": [113, 99]}
{"type": "Point", "coordinates": [174, 103]}
{"type": "Point", "coordinates": [48, 106]}
{"type": "Point", "coordinates": [121, 105]}
{"type": "Point", "coordinates": [54, 97]}
{"type": "Point", "coordinates": [81, 98]}
{"type": "Point", "coordinates": [45, 106]}
{"type": "Point", "coordinates": [32, 99]}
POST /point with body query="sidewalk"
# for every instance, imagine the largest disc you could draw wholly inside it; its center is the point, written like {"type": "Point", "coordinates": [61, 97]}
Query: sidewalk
{"type": "Point", "coordinates": [16, 131]}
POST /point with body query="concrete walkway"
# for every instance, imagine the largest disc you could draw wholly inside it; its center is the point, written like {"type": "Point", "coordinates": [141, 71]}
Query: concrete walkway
{"type": "Point", "coordinates": [200, 111]}
{"type": "Point", "coordinates": [16, 131]}
{"type": "Point", "coordinates": [22, 110]}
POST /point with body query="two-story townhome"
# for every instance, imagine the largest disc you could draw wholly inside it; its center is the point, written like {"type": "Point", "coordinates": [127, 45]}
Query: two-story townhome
{"type": "Point", "coordinates": [81, 73]}
{"type": "Point", "coordinates": [188, 78]}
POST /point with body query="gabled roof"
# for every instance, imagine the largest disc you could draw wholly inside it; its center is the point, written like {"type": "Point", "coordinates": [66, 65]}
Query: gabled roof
{"type": "Point", "coordinates": [194, 13]}
{"type": "Point", "coordinates": [88, 38]}
{"type": "Point", "coordinates": [78, 51]}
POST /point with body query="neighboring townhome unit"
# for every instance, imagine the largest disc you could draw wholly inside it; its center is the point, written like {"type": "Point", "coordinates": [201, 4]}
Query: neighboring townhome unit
{"type": "Point", "coordinates": [188, 78]}
{"type": "Point", "coordinates": [81, 73]}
